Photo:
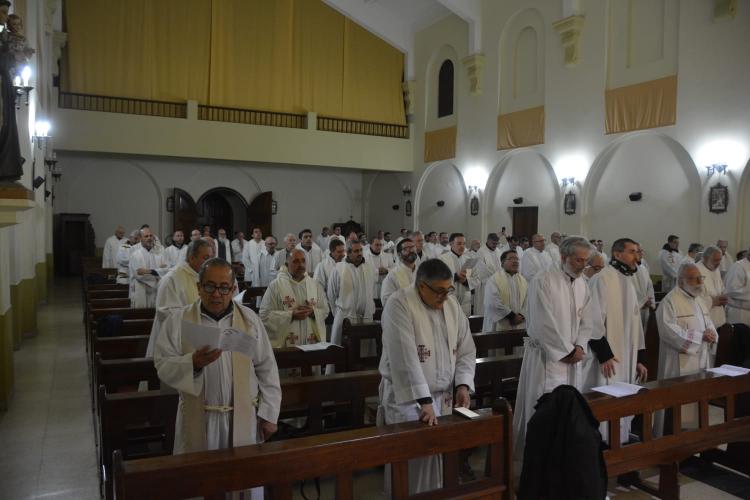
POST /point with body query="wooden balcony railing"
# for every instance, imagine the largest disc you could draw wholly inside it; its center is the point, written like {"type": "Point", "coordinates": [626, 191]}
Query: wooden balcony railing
{"type": "Point", "coordinates": [345, 126]}
{"type": "Point", "coordinates": [88, 102]}
{"type": "Point", "coordinates": [251, 117]}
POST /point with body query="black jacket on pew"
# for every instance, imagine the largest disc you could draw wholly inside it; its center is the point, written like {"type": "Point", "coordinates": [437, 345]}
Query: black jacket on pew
{"type": "Point", "coordinates": [563, 452]}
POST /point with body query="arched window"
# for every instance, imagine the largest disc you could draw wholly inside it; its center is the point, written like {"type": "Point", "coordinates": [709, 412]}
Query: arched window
{"type": "Point", "coordinates": [445, 89]}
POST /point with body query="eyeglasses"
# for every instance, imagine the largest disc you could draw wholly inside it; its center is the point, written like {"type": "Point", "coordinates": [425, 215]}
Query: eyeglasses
{"type": "Point", "coordinates": [439, 293]}
{"type": "Point", "coordinates": [211, 288]}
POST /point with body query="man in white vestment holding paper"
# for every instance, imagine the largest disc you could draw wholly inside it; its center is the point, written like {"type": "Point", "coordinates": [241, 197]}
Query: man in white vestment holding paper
{"type": "Point", "coordinates": [687, 336]}
{"type": "Point", "coordinates": [146, 268]}
{"type": "Point", "coordinates": [380, 261]}
{"type": "Point", "coordinates": [559, 325]}
{"type": "Point", "coordinates": [505, 296]}
{"type": "Point", "coordinates": [178, 288]}
{"type": "Point", "coordinates": [535, 259]}
{"type": "Point", "coordinates": [737, 282]}
{"type": "Point", "coordinates": [714, 293]}
{"type": "Point", "coordinates": [350, 289]}
{"type": "Point", "coordinates": [428, 353]}
{"type": "Point", "coordinates": [403, 273]}
{"type": "Point", "coordinates": [123, 256]}
{"type": "Point", "coordinates": [467, 274]}
{"type": "Point", "coordinates": [491, 258]}
{"type": "Point", "coordinates": [111, 246]}
{"type": "Point", "coordinates": [294, 307]}
{"type": "Point", "coordinates": [336, 253]}
{"type": "Point", "coordinates": [227, 398]}
{"type": "Point", "coordinates": [619, 354]}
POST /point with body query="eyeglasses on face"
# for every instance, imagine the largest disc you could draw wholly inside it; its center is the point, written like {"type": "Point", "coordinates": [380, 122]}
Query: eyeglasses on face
{"type": "Point", "coordinates": [440, 292]}
{"type": "Point", "coordinates": [211, 288]}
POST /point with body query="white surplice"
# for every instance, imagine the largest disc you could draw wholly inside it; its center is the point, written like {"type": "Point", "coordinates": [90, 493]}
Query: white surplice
{"type": "Point", "coordinates": [726, 263]}
{"type": "Point", "coordinates": [473, 278]}
{"type": "Point", "coordinates": [218, 242]}
{"type": "Point", "coordinates": [534, 262]}
{"type": "Point", "coordinates": [250, 255]}
{"type": "Point", "coordinates": [554, 252]}
{"type": "Point", "coordinates": [670, 263]}
{"type": "Point", "coordinates": [491, 260]}
{"type": "Point", "coordinates": [281, 297]}
{"type": "Point", "coordinates": [426, 353]}
{"type": "Point", "coordinates": [313, 257]}
{"type": "Point", "coordinates": [681, 320]}
{"type": "Point", "coordinates": [377, 261]}
{"type": "Point", "coordinates": [173, 255]}
{"type": "Point", "coordinates": [713, 286]}
{"type": "Point", "coordinates": [262, 272]}
{"type": "Point", "coordinates": [123, 263]}
{"type": "Point", "coordinates": [737, 281]}
{"type": "Point", "coordinates": [560, 317]}
{"type": "Point", "coordinates": [400, 276]}
{"type": "Point", "coordinates": [238, 248]}
{"type": "Point", "coordinates": [504, 294]}
{"type": "Point", "coordinates": [143, 286]}
{"type": "Point", "coordinates": [644, 290]}
{"type": "Point", "coordinates": [109, 255]}
{"type": "Point", "coordinates": [323, 273]}
{"type": "Point", "coordinates": [218, 405]}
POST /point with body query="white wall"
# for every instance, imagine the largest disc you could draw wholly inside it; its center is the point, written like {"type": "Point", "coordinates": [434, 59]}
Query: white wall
{"type": "Point", "coordinates": [133, 190]}
{"type": "Point", "coordinates": [442, 182]}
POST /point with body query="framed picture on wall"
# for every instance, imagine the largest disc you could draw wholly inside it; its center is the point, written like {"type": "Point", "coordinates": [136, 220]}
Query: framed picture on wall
{"type": "Point", "coordinates": [570, 203]}
{"type": "Point", "coordinates": [718, 199]}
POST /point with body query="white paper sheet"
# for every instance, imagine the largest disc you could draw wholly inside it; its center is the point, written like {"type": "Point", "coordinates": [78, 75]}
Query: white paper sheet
{"type": "Point", "coordinates": [238, 298]}
{"type": "Point", "coordinates": [318, 346]}
{"type": "Point", "coordinates": [729, 370]}
{"type": "Point", "coordinates": [227, 339]}
{"type": "Point", "coordinates": [469, 264]}
{"type": "Point", "coordinates": [618, 389]}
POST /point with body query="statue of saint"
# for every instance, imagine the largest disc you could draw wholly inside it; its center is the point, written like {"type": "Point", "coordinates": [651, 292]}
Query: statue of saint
{"type": "Point", "coordinates": [11, 161]}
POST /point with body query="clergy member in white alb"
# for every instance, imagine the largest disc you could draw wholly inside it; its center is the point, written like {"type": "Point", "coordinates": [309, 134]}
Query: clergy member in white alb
{"type": "Point", "coordinates": [687, 336]}
{"type": "Point", "coordinates": [175, 253]}
{"type": "Point", "coordinates": [535, 259]}
{"type": "Point", "coordinates": [263, 272]}
{"type": "Point", "coordinates": [294, 308]}
{"type": "Point", "coordinates": [313, 254]}
{"type": "Point", "coordinates": [559, 327]}
{"type": "Point", "coordinates": [403, 273]}
{"type": "Point", "coordinates": [465, 279]}
{"type": "Point", "coordinates": [226, 398]}
{"type": "Point", "coordinates": [644, 288]}
{"type": "Point", "coordinates": [350, 289]}
{"type": "Point", "coordinates": [336, 253]}
{"type": "Point", "coordinates": [726, 259]}
{"type": "Point", "coordinates": [428, 353]}
{"type": "Point", "coordinates": [123, 257]}
{"type": "Point", "coordinates": [669, 259]}
{"type": "Point", "coordinates": [146, 268]}
{"type": "Point", "coordinates": [178, 288]}
{"type": "Point", "coordinates": [238, 247]}
{"type": "Point", "coordinates": [491, 258]}
{"type": "Point", "coordinates": [380, 261]}
{"type": "Point", "coordinates": [223, 246]}
{"type": "Point", "coordinates": [553, 247]}
{"type": "Point", "coordinates": [618, 355]}
{"type": "Point", "coordinates": [253, 248]}
{"type": "Point", "coordinates": [737, 282]}
{"type": "Point", "coordinates": [714, 293]}
{"type": "Point", "coordinates": [290, 242]}
{"type": "Point", "coordinates": [111, 246]}
{"type": "Point", "coordinates": [505, 296]}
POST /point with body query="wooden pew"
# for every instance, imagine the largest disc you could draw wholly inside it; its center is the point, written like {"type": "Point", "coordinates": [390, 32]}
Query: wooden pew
{"type": "Point", "coordinates": [475, 323]}
{"type": "Point", "coordinates": [107, 294]}
{"type": "Point", "coordinates": [105, 286]}
{"type": "Point", "coordinates": [123, 375]}
{"type": "Point", "coordinates": [292, 357]}
{"type": "Point", "coordinates": [506, 340]}
{"type": "Point", "coordinates": [94, 315]}
{"type": "Point", "coordinates": [279, 465]}
{"type": "Point", "coordinates": [496, 377]}
{"type": "Point", "coordinates": [352, 335]}
{"type": "Point", "coordinates": [125, 346]}
{"type": "Point", "coordinates": [666, 452]}
{"type": "Point", "coordinates": [108, 303]}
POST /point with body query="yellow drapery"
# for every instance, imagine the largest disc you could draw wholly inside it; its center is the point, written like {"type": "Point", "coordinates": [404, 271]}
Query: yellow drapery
{"type": "Point", "coordinates": [643, 105]}
{"type": "Point", "coordinates": [440, 144]}
{"type": "Point", "coordinates": [288, 56]}
{"type": "Point", "coordinates": [520, 128]}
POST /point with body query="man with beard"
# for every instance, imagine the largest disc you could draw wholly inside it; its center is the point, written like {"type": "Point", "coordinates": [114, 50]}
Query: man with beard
{"type": "Point", "coordinates": [670, 258]}
{"type": "Point", "coordinates": [505, 296]}
{"type": "Point", "coordinates": [402, 275]}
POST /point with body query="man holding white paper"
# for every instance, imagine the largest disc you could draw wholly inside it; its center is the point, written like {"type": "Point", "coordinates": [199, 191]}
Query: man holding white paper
{"type": "Point", "coordinates": [294, 307]}
{"type": "Point", "coordinates": [227, 399]}
{"type": "Point", "coordinates": [466, 275]}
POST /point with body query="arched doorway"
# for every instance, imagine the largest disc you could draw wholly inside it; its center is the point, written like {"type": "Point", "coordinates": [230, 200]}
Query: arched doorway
{"type": "Point", "coordinates": [222, 208]}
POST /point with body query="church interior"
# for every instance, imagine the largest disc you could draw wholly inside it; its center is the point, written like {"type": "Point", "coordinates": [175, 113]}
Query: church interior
{"type": "Point", "coordinates": [600, 118]}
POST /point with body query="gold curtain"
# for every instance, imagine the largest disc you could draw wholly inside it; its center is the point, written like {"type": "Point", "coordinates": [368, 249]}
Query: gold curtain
{"type": "Point", "coordinates": [440, 144]}
{"type": "Point", "coordinates": [520, 128]}
{"type": "Point", "coordinates": [644, 105]}
{"type": "Point", "coordinates": [283, 55]}
{"type": "Point", "coordinates": [141, 49]}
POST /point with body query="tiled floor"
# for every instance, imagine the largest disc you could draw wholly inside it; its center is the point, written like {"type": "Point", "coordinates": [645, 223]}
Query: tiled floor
{"type": "Point", "coordinates": [47, 445]}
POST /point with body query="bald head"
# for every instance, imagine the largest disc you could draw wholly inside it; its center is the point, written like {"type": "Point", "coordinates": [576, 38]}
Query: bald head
{"type": "Point", "coordinates": [119, 232]}
{"type": "Point", "coordinates": [538, 242]}
{"type": "Point", "coordinates": [295, 264]}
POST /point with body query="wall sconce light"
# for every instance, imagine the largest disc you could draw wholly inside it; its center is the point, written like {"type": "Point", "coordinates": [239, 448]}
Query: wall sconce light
{"type": "Point", "coordinates": [568, 181]}
{"type": "Point", "coordinates": [406, 190]}
{"type": "Point", "coordinates": [440, 203]}
{"type": "Point", "coordinates": [21, 85]}
{"type": "Point", "coordinates": [38, 181]}
{"type": "Point", "coordinates": [41, 133]}
{"type": "Point", "coordinates": [395, 207]}
{"type": "Point", "coordinates": [51, 162]}
{"type": "Point", "coordinates": [518, 200]}
{"type": "Point", "coordinates": [715, 168]}
{"type": "Point", "coordinates": [635, 196]}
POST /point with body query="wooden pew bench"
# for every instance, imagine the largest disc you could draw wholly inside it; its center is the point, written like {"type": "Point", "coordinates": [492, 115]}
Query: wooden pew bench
{"type": "Point", "coordinates": [124, 346]}
{"type": "Point", "coordinates": [108, 303]}
{"type": "Point", "coordinates": [120, 293]}
{"type": "Point", "coordinates": [279, 465]}
{"type": "Point", "coordinates": [475, 323]}
{"type": "Point", "coordinates": [306, 361]}
{"type": "Point", "coordinates": [505, 340]}
{"type": "Point", "coordinates": [353, 335]}
{"type": "Point", "coordinates": [495, 377]}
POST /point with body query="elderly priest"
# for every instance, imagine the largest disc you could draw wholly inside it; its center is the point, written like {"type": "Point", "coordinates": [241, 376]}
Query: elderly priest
{"type": "Point", "coordinates": [221, 392]}
{"type": "Point", "coordinates": [428, 353]}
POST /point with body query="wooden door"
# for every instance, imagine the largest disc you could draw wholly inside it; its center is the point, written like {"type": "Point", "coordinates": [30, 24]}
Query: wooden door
{"type": "Point", "coordinates": [185, 213]}
{"type": "Point", "coordinates": [525, 221]}
{"type": "Point", "coordinates": [259, 213]}
{"type": "Point", "coordinates": [216, 212]}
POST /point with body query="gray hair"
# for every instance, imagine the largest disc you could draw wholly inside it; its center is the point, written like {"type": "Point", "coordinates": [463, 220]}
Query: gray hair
{"type": "Point", "coordinates": [215, 262]}
{"type": "Point", "coordinates": [135, 233]}
{"type": "Point", "coordinates": [289, 235]}
{"type": "Point", "coordinates": [594, 254]}
{"type": "Point", "coordinates": [195, 246]}
{"type": "Point", "coordinates": [350, 243]}
{"type": "Point", "coordinates": [569, 245]}
{"type": "Point", "coordinates": [710, 250]}
{"type": "Point", "coordinates": [684, 267]}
